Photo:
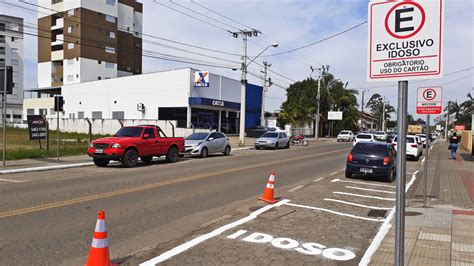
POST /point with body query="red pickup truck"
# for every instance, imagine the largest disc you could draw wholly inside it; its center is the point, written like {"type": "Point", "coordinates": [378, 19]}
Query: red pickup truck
{"type": "Point", "coordinates": [132, 142]}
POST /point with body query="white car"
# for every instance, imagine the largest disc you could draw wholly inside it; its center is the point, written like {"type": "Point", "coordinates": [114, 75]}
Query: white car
{"type": "Point", "coordinates": [380, 135]}
{"type": "Point", "coordinates": [345, 135]}
{"type": "Point", "coordinates": [363, 137]}
{"type": "Point", "coordinates": [414, 148]}
{"type": "Point", "coordinates": [423, 139]}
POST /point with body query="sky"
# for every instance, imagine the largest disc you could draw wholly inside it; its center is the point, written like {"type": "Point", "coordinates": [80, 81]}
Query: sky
{"type": "Point", "coordinates": [292, 24]}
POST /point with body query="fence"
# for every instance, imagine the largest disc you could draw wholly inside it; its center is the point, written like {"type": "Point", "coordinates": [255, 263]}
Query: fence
{"type": "Point", "coordinates": [307, 132]}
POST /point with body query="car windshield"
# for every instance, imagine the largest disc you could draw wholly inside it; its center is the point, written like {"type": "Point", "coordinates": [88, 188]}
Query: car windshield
{"type": "Point", "coordinates": [369, 148]}
{"type": "Point", "coordinates": [344, 133]}
{"type": "Point", "coordinates": [134, 132]}
{"type": "Point", "coordinates": [410, 140]}
{"type": "Point", "coordinates": [364, 136]}
{"type": "Point", "coordinates": [197, 136]}
{"type": "Point", "coordinates": [269, 135]}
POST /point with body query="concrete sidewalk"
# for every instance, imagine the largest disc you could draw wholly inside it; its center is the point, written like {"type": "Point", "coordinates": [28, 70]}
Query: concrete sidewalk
{"type": "Point", "coordinates": [442, 233]}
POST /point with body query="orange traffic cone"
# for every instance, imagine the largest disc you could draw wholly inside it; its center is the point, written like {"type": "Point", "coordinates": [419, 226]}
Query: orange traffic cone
{"type": "Point", "coordinates": [99, 251]}
{"type": "Point", "coordinates": [268, 193]}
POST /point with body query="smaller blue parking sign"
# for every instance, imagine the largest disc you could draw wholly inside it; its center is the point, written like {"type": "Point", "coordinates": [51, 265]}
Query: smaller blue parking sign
{"type": "Point", "coordinates": [201, 79]}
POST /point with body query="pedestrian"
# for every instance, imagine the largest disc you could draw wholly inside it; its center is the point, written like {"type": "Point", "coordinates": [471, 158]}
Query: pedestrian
{"type": "Point", "coordinates": [453, 145]}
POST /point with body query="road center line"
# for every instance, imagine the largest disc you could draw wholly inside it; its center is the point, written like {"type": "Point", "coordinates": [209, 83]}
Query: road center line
{"type": "Point", "coordinates": [335, 212]}
{"type": "Point", "coordinates": [358, 205]}
{"type": "Point", "coordinates": [185, 246]}
{"type": "Point", "coordinates": [361, 183]}
{"type": "Point", "coordinates": [363, 196]}
{"type": "Point", "coordinates": [153, 185]}
{"type": "Point", "coordinates": [372, 190]}
{"type": "Point", "coordinates": [13, 181]}
{"type": "Point", "coordinates": [295, 188]}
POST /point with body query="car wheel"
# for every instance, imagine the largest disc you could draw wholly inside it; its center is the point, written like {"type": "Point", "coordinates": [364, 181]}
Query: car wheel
{"type": "Point", "coordinates": [277, 146]}
{"type": "Point", "coordinates": [417, 158]}
{"type": "Point", "coordinates": [130, 158]}
{"type": "Point", "coordinates": [101, 162]}
{"type": "Point", "coordinates": [146, 159]}
{"type": "Point", "coordinates": [390, 176]}
{"type": "Point", "coordinates": [227, 151]}
{"type": "Point", "coordinates": [204, 152]}
{"type": "Point", "coordinates": [287, 145]}
{"type": "Point", "coordinates": [257, 148]}
{"type": "Point", "coordinates": [305, 142]}
{"type": "Point", "coordinates": [348, 174]}
{"type": "Point", "coordinates": [173, 155]}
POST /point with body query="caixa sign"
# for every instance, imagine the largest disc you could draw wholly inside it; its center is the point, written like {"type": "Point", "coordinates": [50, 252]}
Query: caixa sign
{"type": "Point", "coordinates": [201, 79]}
{"type": "Point", "coordinates": [218, 103]}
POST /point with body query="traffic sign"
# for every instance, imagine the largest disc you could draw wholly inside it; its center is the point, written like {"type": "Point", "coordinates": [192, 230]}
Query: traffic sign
{"type": "Point", "coordinates": [429, 101]}
{"type": "Point", "coordinates": [405, 39]}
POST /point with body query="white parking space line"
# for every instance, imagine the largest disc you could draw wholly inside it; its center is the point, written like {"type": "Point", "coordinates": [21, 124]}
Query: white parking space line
{"type": "Point", "coordinates": [383, 230]}
{"type": "Point", "coordinates": [334, 173]}
{"type": "Point", "coordinates": [363, 196]}
{"type": "Point", "coordinates": [295, 188]}
{"type": "Point", "coordinates": [372, 190]}
{"type": "Point", "coordinates": [358, 205]}
{"type": "Point", "coordinates": [318, 179]}
{"type": "Point", "coordinates": [335, 212]}
{"type": "Point", "coordinates": [185, 246]}
{"type": "Point", "coordinates": [361, 183]}
{"type": "Point", "coordinates": [13, 181]}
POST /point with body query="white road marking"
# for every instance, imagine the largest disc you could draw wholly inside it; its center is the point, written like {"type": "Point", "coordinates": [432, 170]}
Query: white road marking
{"type": "Point", "coordinates": [361, 183]}
{"type": "Point", "coordinates": [373, 190]}
{"type": "Point", "coordinates": [363, 196]}
{"type": "Point", "coordinates": [13, 181]}
{"type": "Point", "coordinates": [382, 231]}
{"type": "Point", "coordinates": [334, 173]}
{"type": "Point", "coordinates": [44, 168]}
{"type": "Point", "coordinates": [185, 246]}
{"type": "Point", "coordinates": [335, 212]}
{"type": "Point", "coordinates": [358, 205]}
{"type": "Point", "coordinates": [295, 188]}
{"type": "Point", "coordinates": [318, 179]}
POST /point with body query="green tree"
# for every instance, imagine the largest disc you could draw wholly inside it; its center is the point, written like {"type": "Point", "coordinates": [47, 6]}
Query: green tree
{"type": "Point", "coordinates": [376, 105]}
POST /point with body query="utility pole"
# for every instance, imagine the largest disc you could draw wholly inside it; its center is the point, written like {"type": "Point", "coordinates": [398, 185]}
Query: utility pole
{"type": "Point", "coordinates": [383, 114]}
{"type": "Point", "coordinates": [321, 71]}
{"type": "Point", "coordinates": [4, 116]}
{"type": "Point", "coordinates": [362, 112]}
{"type": "Point", "coordinates": [266, 84]}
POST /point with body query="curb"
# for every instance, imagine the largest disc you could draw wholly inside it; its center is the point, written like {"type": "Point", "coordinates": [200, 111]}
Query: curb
{"type": "Point", "coordinates": [44, 168]}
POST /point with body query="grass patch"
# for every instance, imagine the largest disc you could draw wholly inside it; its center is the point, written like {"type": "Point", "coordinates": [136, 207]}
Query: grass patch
{"type": "Point", "coordinates": [19, 146]}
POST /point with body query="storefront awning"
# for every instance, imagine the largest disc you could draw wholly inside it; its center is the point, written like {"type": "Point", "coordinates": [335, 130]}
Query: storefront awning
{"type": "Point", "coordinates": [214, 103]}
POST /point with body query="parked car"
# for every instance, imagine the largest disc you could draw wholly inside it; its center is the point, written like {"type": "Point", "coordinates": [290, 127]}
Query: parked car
{"type": "Point", "coordinates": [375, 159]}
{"type": "Point", "coordinates": [345, 135]}
{"type": "Point", "coordinates": [420, 143]}
{"type": "Point", "coordinates": [132, 142]}
{"type": "Point", "coordinates": [423, 139]}
{"type": "Point", "coordinates": [206, 143]}
{"type": "Point", "coordinates": [380, 135]}
{"type": "Point", "coordinates": [413, 148]}
{"type": "Point", "coordinates": [273, 140]}
{"type": "Point", "coordinates": [257, 131]}
{"type": "Point", "coordinates": [363, 137]}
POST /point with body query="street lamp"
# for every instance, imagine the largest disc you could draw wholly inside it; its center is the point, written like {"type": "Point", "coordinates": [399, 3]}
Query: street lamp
{"type": "Point", "coordinates": [243, 89]}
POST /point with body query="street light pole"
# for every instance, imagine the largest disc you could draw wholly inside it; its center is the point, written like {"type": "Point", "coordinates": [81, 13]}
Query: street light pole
{"type": "Point", "coordinates": [266, 84]}
{"type": "Point", "coordinates": [4, 117]}
{"type": "Point", "coordinates": [243, 88]}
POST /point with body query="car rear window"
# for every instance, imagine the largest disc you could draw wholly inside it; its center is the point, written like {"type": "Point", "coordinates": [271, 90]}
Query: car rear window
{"type": "Point", "coordinates": [364, 136]}
{"type": "Point", "coordinates": [379, 133]}
{"type": "Point", "coordinates": [370, 148]}
{"type": "Point", "coordinates": [269, 135]}
{"type": "Point", "coordinates": [410, 140]}
{"type": "Point", "coordinates": [344, 133]}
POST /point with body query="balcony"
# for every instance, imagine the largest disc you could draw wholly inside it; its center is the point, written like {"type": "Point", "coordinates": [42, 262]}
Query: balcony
{"type": "Point", "coordinates": [59, 24]}
{"type": "Point", "coordinates": [59, 40]}
{"type": "Point", "coordinates": [57, 55]}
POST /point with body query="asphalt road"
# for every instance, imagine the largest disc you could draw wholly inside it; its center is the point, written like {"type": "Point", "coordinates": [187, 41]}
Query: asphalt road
{"type": "Point", "coordinates": [49, 218]}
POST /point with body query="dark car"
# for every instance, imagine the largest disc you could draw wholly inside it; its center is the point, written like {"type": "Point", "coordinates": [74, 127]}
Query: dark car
{"type": "Point", "coordinates": [257, 131]}
{"type": "Point", "coordinates": [376, 159]}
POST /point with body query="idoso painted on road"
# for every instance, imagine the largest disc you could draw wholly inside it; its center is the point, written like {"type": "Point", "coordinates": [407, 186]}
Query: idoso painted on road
{"type": "Point", "coordinates": [309, 248]}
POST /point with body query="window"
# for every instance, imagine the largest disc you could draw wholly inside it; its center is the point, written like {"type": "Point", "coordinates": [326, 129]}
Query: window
{"type": "Point", "coordinates": [99, 62]}
{"type": "Point", "coordinates": [2, 26]}
{"type": "Point", "coordinates": [72, 116]}
{"type": "Point", "coordinates": [80, 115]}
{"type": "Point", "coordinates": [77, 75]}
{"type": "Point", "coordinates": [110, 50]}
{"type": "Point", "coordinates": [111, 34]}
{"type": "Point", "coordinates": [118, 115]}
{"type": "Point", "coordinates": [110, 2]}
{"type": "Point", "coordinates": [70, 61]}
{"type": "Point", "coordinates": [43, 111]}
{"type": "Point", "coordinates": [2, 39]}
{"type": "Point", "coordinates": [71, 29]}
{"type": "Point", "coordinates": [70, 46]}
{"type": "Point", "coordinates": [14, 27]}
{"type": "Point", "coordinates": [70, 78]}
{"type": "Point", "coordinates": [14, 50]}
{"type": "Point", "coordinates": [110, 18]}
{"type": "Point", "coordinates": [70, 12]}
{"type": "Point", "coordinates": [15, 62]}
{"type": "Point", "coordinates": [15, 76]}
{"type": "Point", "coordinates": [99, 78]}
{"type": "Point", "coordinates": [14, 39]}
{"type": "Point", "coordinates": [2, 62]}
{"type": "Point", "coordinates": [2, 50]}
{"type": "Point", "coordinates": [96, 115]}
{"type": "Point", "coordinates": [150, 132]}
{"type": "Point", "coordinates": [30, 111]}
{"type": "Point", "coordinates": [16, 116]}
{"type": "Point", "coordinates": [51, 111]}
{"type": "Point", "coordinates": [109, 65]}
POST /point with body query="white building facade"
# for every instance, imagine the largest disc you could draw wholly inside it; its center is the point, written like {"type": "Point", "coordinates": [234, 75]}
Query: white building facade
{"type": "Point", "coordinates": [11, 54]}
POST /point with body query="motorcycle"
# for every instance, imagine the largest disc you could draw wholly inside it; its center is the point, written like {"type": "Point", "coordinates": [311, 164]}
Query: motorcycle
{"type": "Point", "coordinates": [299, 140]}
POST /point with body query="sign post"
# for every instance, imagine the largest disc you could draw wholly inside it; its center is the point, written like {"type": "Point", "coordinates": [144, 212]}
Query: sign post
{"type": "Point", "coordinates": [428, 143]}
{"type": "Point", "coordinates": [405, 43]}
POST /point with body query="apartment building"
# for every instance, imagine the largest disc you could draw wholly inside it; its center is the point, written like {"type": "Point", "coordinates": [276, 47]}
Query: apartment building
{"type": "Point", "coordinates": [87, 40]}
{"type": "Point", "coordinates": [11, 54]}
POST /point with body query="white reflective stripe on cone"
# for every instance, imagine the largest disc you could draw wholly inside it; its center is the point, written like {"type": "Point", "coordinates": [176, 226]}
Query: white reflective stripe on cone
{"type": "Point", "coordinates": [100, 243]}
{"type": "Point", "coordinates": [271, 178]}
{"type": "Point", "coordinates": [270, 185]}
{"type": "Point", "coordinates": [100, 226]}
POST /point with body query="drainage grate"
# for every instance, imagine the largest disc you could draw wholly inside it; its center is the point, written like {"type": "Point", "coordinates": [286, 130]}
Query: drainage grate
{"type": "Point", "coordinates": [377, 213]}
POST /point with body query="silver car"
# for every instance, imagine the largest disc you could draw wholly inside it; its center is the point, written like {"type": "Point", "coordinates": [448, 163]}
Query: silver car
{"type": "Point", "coordinates": [274, 140]}
{"type": "Point", "coordinates": [205, 143]}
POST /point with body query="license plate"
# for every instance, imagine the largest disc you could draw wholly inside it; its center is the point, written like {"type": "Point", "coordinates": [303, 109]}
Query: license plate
{"type": "Point", "coordinates": [99, 150]}
{"type": "Point", "coordinates": [366, 170]}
